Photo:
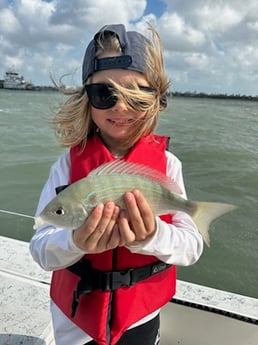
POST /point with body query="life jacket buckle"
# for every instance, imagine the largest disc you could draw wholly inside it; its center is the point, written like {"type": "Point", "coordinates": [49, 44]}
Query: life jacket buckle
{"type": "Point", "coordinates": [116, 279]}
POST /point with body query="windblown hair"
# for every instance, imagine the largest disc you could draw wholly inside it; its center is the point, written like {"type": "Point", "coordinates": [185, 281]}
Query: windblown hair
{"type": "Point", "coordinates": [73, 122]}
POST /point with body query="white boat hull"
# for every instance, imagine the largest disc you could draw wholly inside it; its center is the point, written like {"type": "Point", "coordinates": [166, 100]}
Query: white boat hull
{"type": "Point", "coordinates": [186, 325]}
{"type": "Point", "coordinates": [14, 81]}
{"type": "Point", "coordinates": [13, 86]}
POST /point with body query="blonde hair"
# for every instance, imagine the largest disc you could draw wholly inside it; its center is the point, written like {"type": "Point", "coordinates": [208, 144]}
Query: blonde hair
{"type": "Point", "coordinates": [73, 123]}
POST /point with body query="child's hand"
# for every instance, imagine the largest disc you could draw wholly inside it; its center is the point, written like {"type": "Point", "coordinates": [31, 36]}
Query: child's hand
{"type": "Point", "coordinates": [105, 229]}
{"type": "Point", "coordinates": [137, 223]}
{"type": "Point", "coordinates": [99, 232]}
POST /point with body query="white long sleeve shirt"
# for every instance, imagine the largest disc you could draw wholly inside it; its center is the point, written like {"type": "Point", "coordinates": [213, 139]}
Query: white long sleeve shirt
{"type": "Point", "coordinates": [53, 248]}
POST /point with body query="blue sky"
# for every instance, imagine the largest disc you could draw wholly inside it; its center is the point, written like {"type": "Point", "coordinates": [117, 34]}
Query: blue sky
{"type": "Point", "coordinates": [158, 7]}
{"type": "Point", "coordinates": [209, 46]}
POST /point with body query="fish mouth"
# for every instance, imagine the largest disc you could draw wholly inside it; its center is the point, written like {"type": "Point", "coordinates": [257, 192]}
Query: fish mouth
{"type": "Point", "coordinates": [38, 222]}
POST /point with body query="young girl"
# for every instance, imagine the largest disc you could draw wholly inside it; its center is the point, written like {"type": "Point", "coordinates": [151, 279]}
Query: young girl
{"type": "Point", "coordinates": [112, 275]}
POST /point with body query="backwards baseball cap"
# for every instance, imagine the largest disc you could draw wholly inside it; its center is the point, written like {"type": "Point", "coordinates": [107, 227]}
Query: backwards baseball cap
{"type": "Point", "coordinates": [132, 43]}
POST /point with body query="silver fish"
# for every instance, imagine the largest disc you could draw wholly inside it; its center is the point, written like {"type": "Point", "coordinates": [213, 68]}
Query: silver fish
{"type": "Point", "coordinates": [110, 181]}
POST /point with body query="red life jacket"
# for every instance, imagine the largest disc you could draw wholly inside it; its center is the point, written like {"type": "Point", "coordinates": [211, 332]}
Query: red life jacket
{"type": "Point", "coordinates": [106, 315]}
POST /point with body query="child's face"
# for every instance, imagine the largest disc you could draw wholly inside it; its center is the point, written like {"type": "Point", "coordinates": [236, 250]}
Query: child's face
{"type": "Point", "coordinates": [117, 123]}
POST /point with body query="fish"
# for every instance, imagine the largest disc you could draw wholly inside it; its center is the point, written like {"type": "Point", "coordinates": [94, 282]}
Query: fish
{"type": "Point", "coordinates": [109, 182]}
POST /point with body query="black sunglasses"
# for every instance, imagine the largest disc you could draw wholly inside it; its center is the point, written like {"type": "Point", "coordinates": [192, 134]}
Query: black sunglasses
{"type": "Point", "coordinates": [101, 96]}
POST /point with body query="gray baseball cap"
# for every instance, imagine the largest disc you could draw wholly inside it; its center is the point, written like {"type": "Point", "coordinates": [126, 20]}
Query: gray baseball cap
{"type": "Point", "coordinates": [133, 46]}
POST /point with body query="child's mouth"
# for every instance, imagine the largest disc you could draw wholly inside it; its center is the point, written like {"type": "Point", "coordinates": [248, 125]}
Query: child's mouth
{"type": "Point", "coordinates": [121, 122]}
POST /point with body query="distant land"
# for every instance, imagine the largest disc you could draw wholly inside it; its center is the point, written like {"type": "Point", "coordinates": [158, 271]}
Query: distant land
{"type": "Point", "coordinates": [192, 94]}
{"type": "Point", "coordinates": [212, 95]}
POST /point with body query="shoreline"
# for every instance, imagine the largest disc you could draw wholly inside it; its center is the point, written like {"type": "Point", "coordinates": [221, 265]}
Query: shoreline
{"type": "Point", "coordinates": [171, 94]}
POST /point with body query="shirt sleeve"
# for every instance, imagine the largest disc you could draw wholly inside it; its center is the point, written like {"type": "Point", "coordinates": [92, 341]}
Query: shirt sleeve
{"type": "Point", "coordinates": [179, 243]}
{"type": "Point", "coordinates": [53, 248]}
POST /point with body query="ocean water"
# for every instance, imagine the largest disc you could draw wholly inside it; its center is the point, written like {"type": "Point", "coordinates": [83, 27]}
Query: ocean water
{"type": "Point", "coordinates": [217, 142]}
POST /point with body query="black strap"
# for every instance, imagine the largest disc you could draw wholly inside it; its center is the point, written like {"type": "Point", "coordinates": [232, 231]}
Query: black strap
{"type": "Point", "coordinates": [93, 279]}
{"type": "Point", "coordinates": [123, 61]}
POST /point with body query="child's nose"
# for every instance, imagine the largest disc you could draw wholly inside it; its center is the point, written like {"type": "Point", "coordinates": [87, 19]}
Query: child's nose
{"type": "Point", "coordinates": [120, 105]}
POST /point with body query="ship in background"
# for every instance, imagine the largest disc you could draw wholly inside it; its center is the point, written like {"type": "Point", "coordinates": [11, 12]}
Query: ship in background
{"type": "Point", "coordinates": [13, 80]}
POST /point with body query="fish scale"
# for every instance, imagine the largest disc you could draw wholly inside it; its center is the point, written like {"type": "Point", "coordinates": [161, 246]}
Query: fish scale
{"type": "Point", "coordinates": [119, 184]}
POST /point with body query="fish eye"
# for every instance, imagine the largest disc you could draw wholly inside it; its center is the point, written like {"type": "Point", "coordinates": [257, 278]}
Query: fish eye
{"type": "Point", "coordinates": [60, 211]}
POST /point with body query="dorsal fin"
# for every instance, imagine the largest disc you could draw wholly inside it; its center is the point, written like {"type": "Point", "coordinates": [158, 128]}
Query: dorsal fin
{"type": "Point", "coordinates": [123, 167]}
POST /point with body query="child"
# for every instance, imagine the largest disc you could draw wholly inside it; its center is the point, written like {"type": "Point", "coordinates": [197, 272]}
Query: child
{"type": "Point", "coordinates": [112, 275]}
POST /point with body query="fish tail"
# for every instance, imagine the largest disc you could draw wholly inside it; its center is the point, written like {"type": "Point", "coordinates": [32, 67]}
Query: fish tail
{"type": "Point", "coordinates": [206, 212]}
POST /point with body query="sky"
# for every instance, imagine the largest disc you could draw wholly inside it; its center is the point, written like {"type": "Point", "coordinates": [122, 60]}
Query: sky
{"type": "Point", "coordinates": [210, 46]}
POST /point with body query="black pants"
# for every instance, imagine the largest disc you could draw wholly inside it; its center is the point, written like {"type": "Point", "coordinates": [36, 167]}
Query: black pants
{"type": "Point", "coordinates": [146, 334]}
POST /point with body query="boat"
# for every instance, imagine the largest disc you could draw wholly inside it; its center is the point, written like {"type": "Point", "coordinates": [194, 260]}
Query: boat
{"type": "Point", "coordinates": [13, 80]}
{"type": "Point", "coordinates": [200, 315]}
{"type": "Point", "coordinates": [197, 315]}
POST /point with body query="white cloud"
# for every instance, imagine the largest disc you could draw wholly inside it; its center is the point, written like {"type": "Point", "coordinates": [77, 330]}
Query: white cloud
{"type": "Point", "coordinates": [209, 45]}
{"type": "Point", "coordinates": [253, 25]}
{"type": "Point", "coordinates": [177, 35]}
{"type": "Point", "coordinates": [218, 17]}
{"type": "Point", "coordinates": [197, 61]}
{"type": "Point", "coordinates": [9, 23]}
{"type": "Point", "coordinates": [95, 14]}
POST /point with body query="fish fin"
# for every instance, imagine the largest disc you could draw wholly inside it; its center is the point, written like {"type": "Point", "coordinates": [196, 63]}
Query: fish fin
{"type": "Point", "coordinates": [207, 212]}
{"type": "Point", "coordinates": [124, 167]}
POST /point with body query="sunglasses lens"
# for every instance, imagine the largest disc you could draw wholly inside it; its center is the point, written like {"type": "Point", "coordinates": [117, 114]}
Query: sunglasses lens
{"type": "Point", "coordinates": [100, 96]}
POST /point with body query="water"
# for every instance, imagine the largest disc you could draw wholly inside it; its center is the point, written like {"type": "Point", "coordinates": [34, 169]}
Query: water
{"type": "Point", "coordinates": [217, 143]}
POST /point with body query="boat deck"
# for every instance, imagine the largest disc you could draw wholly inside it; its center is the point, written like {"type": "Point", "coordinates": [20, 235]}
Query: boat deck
{"type": "Point", "coordinates": [198, 315]}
